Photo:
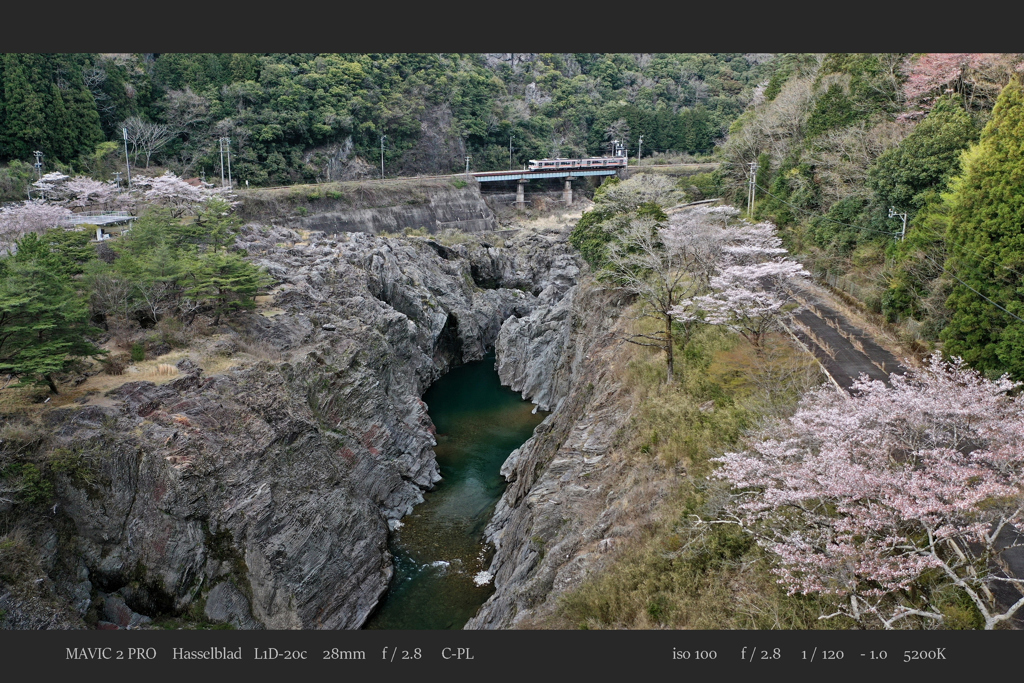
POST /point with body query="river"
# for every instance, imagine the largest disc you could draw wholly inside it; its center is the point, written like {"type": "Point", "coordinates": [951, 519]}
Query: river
{"type": "Point", "coordinates": [439, 554]}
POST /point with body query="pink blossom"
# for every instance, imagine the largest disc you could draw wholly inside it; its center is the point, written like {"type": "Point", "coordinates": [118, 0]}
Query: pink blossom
{"type": "Point", "coordinates": [859, 496]}
{"type": "Point", "coordinates": [21, 218]}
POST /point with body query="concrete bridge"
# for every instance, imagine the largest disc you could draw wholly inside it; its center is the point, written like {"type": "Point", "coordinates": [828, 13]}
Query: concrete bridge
{"type": "Point", "coordinates": [521, 177]}
{"type": "Point", "coordinates": [98, 218]}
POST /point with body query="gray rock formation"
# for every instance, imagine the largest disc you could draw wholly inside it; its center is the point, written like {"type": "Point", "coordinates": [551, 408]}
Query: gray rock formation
{"type": "Point", "coordinates": [570, 498]}
{"type": "Point", "coordinates": [431, 205]}
{"type": "Point", "coordinates": [263, 493]}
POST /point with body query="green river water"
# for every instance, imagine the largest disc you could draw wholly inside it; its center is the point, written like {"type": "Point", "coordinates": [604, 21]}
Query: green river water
{"type": "Point", "coordinates": [439, 550]}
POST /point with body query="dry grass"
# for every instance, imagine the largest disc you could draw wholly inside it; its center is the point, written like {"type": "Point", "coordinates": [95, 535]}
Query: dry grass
{"type": "Point", "coordinates": [677, 572]}
{"type": "Point", "coordinates": [159, 371]}
{"type": "Point", "coordinates": [19, 560]}
{"type": "Point", "coordinates": [259, 349]}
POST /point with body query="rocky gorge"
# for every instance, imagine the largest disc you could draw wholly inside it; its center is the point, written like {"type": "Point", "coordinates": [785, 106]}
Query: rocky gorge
{"type": "Point", "coordinates": [257, 486]}
{"type": "Point", "coordinates": [261, 494]}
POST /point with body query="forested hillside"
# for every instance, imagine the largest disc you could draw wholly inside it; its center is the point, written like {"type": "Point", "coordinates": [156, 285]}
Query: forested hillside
{"type": "Point", "coordinates": [897, 177]}
{"type": "Point", "coordinates": [308, 117]}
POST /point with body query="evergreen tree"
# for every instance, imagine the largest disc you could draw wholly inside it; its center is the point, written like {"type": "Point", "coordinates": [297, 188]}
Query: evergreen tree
{"type": "Point", "coordinates": [833, 110]}
{"type": "Point", "coordinates": [926, 159]}
{"type": "Point", "coordinates": [986, 245]}
{"type": "Point", "coordinates": [24, 115]}
{"type": "Point", "coordinates": [43, 319]}
{"type": "Point", "coordinates": [226, 282]}
{"type": "Point", "coordinates": [46, 107]}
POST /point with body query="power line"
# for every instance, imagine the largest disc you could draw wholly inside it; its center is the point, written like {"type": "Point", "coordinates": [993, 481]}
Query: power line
{"type": "Point", "coordinates": [943, 267]}
{"type": "Point", "coordinates": [892, 234]}
{"type": "Point", "coordinates": [919, 227]}
{"type": "Point", "coordinates": [831, 220]}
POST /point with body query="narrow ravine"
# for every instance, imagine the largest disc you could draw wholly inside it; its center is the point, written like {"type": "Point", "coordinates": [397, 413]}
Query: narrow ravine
{"type": "Point", "coordinates": [439, 553]}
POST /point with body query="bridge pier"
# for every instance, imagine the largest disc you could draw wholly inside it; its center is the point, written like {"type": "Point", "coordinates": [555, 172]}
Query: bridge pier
{"type": "Point", "coordinates": [521, 194]}
{"type": "Point", "coordinates": [567, 192]}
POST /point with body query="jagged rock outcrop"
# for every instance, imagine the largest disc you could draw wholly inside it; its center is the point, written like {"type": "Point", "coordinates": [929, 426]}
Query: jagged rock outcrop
{"type": "Point", "coordinates": [571, 498]}
{"type": "Point", "coordinates": [261, 494]}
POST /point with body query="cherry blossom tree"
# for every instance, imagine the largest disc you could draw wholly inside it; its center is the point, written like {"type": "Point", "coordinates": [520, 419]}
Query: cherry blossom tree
{"type": "Point", "coordinates": [171, 191]}
{"type": "Point", "coordinates": [19, 219]}
{"type": "Point", "coordinates": [750, 291]}
{"type": "Point", "coordinates": [749, 299]}
{"type": "Point", "coordinates": [78, 191]}
{"type": "Point", "coordinates": [975, 76]}
{"type": "Point", "coordinates": [84, 191]}
{"type": "Point", "coordinates": [888, 496]}
{"type": "Point", "coordinates": [51, 186]}
{"type": "Point", "coordinates": [663, 265]}
{"type": "Point", "coordinates": [934, 71]}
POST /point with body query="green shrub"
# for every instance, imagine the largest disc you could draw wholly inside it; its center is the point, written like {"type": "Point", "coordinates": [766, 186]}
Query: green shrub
{"type": "Point", "coordinates": [590, 237]}
{"type": "Point", "coordinates": [702, 186]}
{"type": "Point", "coordinates": [138, 352]}
{"type": "Point", "coordinates": [36, 489]}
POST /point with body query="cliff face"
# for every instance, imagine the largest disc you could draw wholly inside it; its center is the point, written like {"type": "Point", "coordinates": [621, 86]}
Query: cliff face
{"type": "Point", "coordinates": [261, 495]}
{"type": "Point", "coordinates": [417, 204]}
{"type": "Point", "coordinates": [571, 498]}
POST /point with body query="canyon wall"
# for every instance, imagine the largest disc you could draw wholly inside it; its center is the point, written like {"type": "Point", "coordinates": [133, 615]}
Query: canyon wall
{"type": "Point", "coordinates": [260, 492]}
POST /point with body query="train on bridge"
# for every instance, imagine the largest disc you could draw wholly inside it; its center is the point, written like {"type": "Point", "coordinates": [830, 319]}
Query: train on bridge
{"type": "Point", "coordinates": [592, 162]}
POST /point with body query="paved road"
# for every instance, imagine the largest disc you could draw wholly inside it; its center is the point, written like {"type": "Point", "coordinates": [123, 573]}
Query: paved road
{"type": "Point", "coordinates": [843, 349]}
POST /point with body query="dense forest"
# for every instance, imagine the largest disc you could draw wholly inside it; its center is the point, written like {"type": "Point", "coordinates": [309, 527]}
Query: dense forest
{"type": "Point", "coordinates": [897, 178]}
{"type": "Point", "coordinates": [320, 117]}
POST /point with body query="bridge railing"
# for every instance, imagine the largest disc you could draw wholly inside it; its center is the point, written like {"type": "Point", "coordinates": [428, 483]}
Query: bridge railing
{"type": "Point", "coordinates": [98, 218]}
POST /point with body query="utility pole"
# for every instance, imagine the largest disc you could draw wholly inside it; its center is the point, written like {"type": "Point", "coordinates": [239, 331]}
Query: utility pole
{"type": "Point", "coordinates": [639, 149]}
{"type": "Point", "coordinates": [127, 166]}
{"type": "Point", "coordinates": [227, 142]}
{"type": "Point", "coordinates": [221, 141]}
{"type": "Point", "coordinates": [893, 214]}
{"type": "Point", "coordinates": [382, 138]}
{"type": "Point", "coordinates": [117, 179]}
{"type": "Point", "coordinates": [751, 189]}
{"type": "Point", "coordinates": [467, 166]}
{"type": "Point", "coordinates": [39, 164]}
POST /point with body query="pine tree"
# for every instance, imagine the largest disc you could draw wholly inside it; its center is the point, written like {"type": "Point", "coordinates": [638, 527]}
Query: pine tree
{"type": "Point", "coordinates": [226, 282]}
{"type": "Point", "coordinates": [986, 245]}
{"type": "Point", "coordinates": [43, 319]}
